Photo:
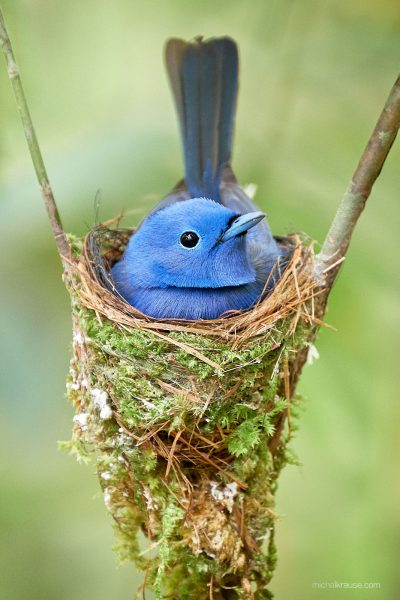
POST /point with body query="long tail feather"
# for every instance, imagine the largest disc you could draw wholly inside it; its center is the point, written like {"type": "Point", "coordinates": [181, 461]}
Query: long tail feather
{"type": "Point", "coordinates": [204, 81]}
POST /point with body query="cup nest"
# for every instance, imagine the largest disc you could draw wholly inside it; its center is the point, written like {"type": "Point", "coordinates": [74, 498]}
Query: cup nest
{"type": "Point", "coordinates": [293, 292]}
{"type": "Point", "coordinates": [189, 421]}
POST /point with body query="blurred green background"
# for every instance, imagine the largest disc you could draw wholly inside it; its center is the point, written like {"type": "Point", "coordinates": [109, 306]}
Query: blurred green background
{"type": "Point", "coordinates": [314, 76]}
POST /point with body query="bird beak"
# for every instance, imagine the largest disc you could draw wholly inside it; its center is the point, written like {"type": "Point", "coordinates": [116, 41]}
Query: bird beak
{"type": "Point", "coordinates": [242, 224]}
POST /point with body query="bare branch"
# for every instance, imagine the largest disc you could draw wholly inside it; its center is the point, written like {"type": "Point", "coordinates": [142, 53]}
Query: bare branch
{"type": "Point", "coordinates": [337, 241]}
{"type": "Point", "coordinates": [34, 149]}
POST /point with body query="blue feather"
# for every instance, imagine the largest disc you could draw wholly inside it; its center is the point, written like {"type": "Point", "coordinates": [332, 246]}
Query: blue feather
{"type": "Point", "coordinates": [204, 77]}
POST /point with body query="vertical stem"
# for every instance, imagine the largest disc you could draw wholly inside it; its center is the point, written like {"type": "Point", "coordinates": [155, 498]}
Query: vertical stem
{"type": "Point", "coordinates": [337, 241]}
{"type": "Point", "coordinates": [34, 149]}
{"type": "Point", "coordinates": [328, 261]}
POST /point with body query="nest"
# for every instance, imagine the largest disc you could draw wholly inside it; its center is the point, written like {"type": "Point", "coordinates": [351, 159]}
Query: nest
{"type": "Point", "coordinates": [189, 422]}
{"type": "Point", "coordinates": [104, 246]}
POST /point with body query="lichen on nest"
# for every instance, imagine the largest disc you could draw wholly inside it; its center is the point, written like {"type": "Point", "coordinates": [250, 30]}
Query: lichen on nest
{"type": "Point", "coordinates": [185, 421]}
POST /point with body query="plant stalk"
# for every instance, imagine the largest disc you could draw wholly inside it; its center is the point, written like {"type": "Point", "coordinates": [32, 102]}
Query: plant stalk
{"type": "Point", "coordinates": [327, 263]}
{"type": "Point", "coordinates": [333, 252]}
{"type": "Point", "coordinates": [34, 148]}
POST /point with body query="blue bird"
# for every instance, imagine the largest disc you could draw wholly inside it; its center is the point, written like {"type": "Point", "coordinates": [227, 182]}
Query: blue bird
{"type": "Point", "coordinates": [205, 249]}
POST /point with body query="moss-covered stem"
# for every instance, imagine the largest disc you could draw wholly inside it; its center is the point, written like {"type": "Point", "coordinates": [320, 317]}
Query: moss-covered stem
{"type": "Point", "coordinates": [34, 148]}
{"type": "Point", "coordinates": [337, 241]}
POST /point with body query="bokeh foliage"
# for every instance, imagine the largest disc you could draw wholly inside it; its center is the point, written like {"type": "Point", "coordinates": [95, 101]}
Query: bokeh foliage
{"type": "Point", "coordinates": [314, 77]}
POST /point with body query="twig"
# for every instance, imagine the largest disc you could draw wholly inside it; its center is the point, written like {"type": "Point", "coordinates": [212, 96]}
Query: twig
{"type": "Point", "coordinates": [34, 149]}
{"type": "Point", "coordinates": [328, 261]}
{"type": "Point", "coordinates": [337, 241]}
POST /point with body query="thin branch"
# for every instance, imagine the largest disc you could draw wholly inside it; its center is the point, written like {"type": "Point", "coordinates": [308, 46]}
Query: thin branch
{"type": "Point", "coordinates": [328, 261]}
{"type": "Point", "coordinates": [337, 241]}
{"type": "Point", "coordinates": [34, 149]}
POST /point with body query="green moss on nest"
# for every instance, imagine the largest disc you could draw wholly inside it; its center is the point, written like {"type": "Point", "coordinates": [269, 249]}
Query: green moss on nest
{"type": "Point", "coordinates": [182, 447]}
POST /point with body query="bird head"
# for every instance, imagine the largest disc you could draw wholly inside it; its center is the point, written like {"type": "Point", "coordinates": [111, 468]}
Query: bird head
{"type": "Point", "coordinates": [195, 243]}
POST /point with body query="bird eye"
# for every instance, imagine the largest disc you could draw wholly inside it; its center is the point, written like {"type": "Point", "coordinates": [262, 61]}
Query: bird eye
{"type": "Point", "coordinates": [189, 239]}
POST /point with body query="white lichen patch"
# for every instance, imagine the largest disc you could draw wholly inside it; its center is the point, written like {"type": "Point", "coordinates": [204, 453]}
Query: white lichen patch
{"type": "Point", "coordinates": [121, 441]}
{"type": "Point", "coordinates": [77, 381]}
{"type": "Point", "coordinates": [217, 541]}
{"type": "Point", "coordinates": [384, 137]}
{"type": "Point", "coordinates": [312, 354]}
{"type": "Point", "coordinates": [100, 401]}
{"type": "Point", "coordinates": [226, 495]}
{"type": "Point", "coordinates": [148, 404]}
{"type": "Point", "coordinates": [216, 493]}
{"type": "Point", "coordinates": [81, 419]}
{"type": "Point", "coordinates": [106, 475]}
{"type": "Point", "coordinates": [78, 338]}
{"type": "Point", "coordinates": [230, 492]}
{"type": "Point", "coordinates": [106, 413]}
{"type": "Point", "coordinates": [107, 498]}
{"type": "Point", "coordinates": [72, 371]}
{"type": "Point", "coordinates": [100, 397]}
{"type": "Point", "coordinates": [72, 386]}
{"type": "Point", "coordinates": [150, 501]}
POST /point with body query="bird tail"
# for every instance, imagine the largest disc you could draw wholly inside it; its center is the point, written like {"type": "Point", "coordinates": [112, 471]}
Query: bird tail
{"type": "Point", "coordinates": [204, 81]}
